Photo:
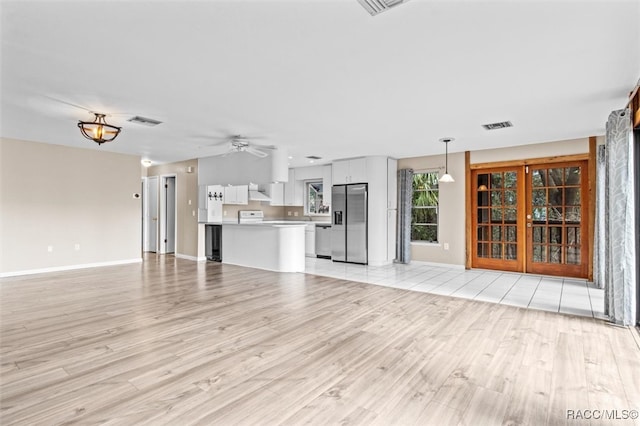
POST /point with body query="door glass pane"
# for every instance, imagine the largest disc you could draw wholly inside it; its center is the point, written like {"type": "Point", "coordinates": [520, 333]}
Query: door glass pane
{"type": "Point", "coordinates": [573, 255]}
{"type": "Point", "coordinates": [539, 253]}
{"type": "Point", "coordinates": [572, 176]}
{"type": "Point", "coordinates": [483, 250]}
{"type": "Point", "coordinates": [496, 180]}
{"type": "Point", "coordinates": [510, 198]}
{"type": "Point", "coordinates": [573, 214]}
{"type": "Point", "coordinates": [511, 252]}
{"type": "Point", "coordinates": [555, 177]}
{"type": "Point", "coordinates": [496, 251]}
{"type": "Point", "coordinates": [555, 234]}
{"type": "Point", "coordinates": [496, 198]}
{"type": "Point", "coordinates": [483, 198]}
{"type": "Point", "coordinates": [555, 214]}
{"type": "Point", "coordinates": [539, 177]}
{"type": "Point", "coordinates": [555, 197]}
{"type": "Point", "coordinates": [572, 196]}
{"type": "Point", "coordinates": [539, 234]}
{"type": "Point", "coordinates": [539, 197]}
{"type": "Point", "coordinates": [483, 233]}
{"type": "Point", "coordinates": [510, 179]}
{"type": "Point", "coordinates": [483, 182]}
{"type": "Point", "coordinates": [496, 233]}
{"type": "Point", "coordinates": [483, 215]}
{"type": "Point", "coordinates": [554, 254]}
{"type": "Point", "coordinates": [510, 215]}
{"type": "Point", "coordinates": [496, 215]}
{"type": "Point", "coordinates": [540, 214]}
{"type": "Point", "coordinates": [511, 234]}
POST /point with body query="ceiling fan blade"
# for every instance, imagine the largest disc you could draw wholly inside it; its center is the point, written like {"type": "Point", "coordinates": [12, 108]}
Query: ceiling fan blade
{"type": "Point", "coordinates": [257, 145]}
{"type": "Point", "coordinates": [256, 152]}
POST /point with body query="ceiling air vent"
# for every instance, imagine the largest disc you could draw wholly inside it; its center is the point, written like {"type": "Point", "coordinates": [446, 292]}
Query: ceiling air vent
{"type": "Point", "coordinates": [313, 157]}
{"type": "Point", "coordinates": [496, 126]}
{"type": "Point", "coordinates": [145, 121]}
{"type": "Point", "coordinates": [376, 6]}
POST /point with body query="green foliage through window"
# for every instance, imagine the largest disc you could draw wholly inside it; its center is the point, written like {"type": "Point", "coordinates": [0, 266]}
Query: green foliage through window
{"type": "Point", "coordinates": [424, 211]}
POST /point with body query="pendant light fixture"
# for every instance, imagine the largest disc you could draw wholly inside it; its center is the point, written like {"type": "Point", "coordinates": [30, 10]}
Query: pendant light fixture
{"type": "Point", "coordinates": [98, 130]}
{"type": "Point", "coordinates": [446, 178]}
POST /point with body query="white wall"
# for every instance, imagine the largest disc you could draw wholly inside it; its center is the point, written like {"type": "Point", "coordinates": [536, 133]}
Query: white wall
{"type": "Point", "coordinates": [58, 196]}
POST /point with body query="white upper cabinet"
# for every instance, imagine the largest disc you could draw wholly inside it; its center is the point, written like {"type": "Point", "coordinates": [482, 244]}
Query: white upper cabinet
{"type": "Point", "coordinates": [349, 171]}
{"type": "Point", "coordinates": [276, 193]}
{"type": "Point", "coordinates": [293, 190]}
{"type": "Point", "coordinates": [236, 194]}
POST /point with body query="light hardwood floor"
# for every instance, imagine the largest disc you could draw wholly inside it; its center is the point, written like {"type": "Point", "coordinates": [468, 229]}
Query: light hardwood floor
{"type": "Point", "coordinates": [177, 342]}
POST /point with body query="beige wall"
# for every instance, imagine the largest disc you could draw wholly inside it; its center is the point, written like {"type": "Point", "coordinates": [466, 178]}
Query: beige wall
{"type": "Point", "coordinates": [452, 196]}
{"type": "Point", "coordinates": [58, 196]}
{"type": "Point", "coordinates": [187, 214]}
{"type": "Point", "coordinates": [451, 212]}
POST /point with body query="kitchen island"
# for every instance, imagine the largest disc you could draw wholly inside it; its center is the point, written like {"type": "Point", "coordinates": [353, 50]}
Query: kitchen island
{"type": "Point", "coordinates": [275, 246]}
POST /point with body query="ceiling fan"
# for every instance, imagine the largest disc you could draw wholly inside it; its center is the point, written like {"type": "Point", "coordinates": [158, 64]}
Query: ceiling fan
{"type": "Point", "coordinates": [238, 143]}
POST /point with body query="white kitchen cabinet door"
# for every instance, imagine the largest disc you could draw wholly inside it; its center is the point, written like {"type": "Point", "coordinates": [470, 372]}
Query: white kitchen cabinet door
{"type": "Point", "coordinates": [276, 193]}
{"type": "Point", "coordinates": [358, 170]}
{"type": "Point", "coordinates": [340, 173]}
{"type": "Point", "coordinates": [242, 194]}
{"type": "Point", "coordinates": [350, 171]}
{"type": "Point", "coordinates": [293, 191]}
{"type": "Point", "coordinates": [326, 185]}
{"type": "Point", "coordinates": [310, 241]}
{"type": "Point", "coordinates": [229, 195]}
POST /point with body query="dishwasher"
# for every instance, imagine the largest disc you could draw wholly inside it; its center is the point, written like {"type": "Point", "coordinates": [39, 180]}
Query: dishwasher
{"type": "Point", "coordinates": [323, 241]}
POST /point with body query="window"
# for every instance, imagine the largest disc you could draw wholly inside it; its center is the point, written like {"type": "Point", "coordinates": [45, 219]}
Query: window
{"type": "Point", "coordinates": [314, 202]}
{"type": "Point", "coordinates": [424, 209]}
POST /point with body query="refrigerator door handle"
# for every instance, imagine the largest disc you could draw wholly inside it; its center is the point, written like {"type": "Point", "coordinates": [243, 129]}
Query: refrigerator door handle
{"type": "Point", "coordinates": [337, 217]}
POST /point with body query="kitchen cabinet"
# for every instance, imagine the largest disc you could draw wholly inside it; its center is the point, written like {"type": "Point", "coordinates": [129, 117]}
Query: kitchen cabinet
{"type": "Point", "coordinates": [276, 193]}
{"type": "Point", "coordinates": [326, 184]}
{"type": "Point", "coordinates": [293, 190]}
{"type": "Point", "coordinates": [310, 240]}
{"type": "Point", "coordinates": [236, 194]}
{"type": "Point", "coordinates": [349, 171]}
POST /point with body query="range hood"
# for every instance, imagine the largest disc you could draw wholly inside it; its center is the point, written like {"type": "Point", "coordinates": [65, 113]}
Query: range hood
{"type": "Point", "coordinates": [255, 195]}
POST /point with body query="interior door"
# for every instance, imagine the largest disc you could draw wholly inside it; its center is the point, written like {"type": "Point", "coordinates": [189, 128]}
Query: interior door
{"type": "Point", "coordinates": [151, 221]}
{"type": "Point", "coordinates": [557, 219]}
{"type": "Point", "coordinates": [498, 218]}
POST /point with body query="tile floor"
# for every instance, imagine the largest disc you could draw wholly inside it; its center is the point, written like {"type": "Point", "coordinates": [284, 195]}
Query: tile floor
{"type": "Point", "coordinates": [556, 294]}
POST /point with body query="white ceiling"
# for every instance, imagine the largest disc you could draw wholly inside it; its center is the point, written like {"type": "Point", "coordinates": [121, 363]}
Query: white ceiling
{"type": "Point", "coordinates": [320, 77]}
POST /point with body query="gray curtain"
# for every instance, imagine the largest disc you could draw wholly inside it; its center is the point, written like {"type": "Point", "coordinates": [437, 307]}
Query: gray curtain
{"type": "Point", "coordinates": [619, 218]}
{"type": "Point", "coordinates": [405, 196]}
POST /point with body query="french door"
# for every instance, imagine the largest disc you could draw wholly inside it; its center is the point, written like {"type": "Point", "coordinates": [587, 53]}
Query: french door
{"type": "Point", "coordinates": [531, 218]}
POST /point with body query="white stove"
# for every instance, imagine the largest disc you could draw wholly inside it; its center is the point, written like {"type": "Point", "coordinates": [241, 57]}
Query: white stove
{"type": "Point", "coordinates": [250, 216]}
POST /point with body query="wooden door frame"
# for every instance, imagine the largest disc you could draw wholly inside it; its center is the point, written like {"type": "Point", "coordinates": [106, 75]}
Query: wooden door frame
{"type": "Point", "coordinates": [590, 157]}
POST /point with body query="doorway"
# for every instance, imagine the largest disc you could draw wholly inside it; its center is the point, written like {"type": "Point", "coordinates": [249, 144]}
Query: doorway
{"type": "Point", "coordinates": [531, 218]}
{"type": "Point", "coordinates": [168, 214]}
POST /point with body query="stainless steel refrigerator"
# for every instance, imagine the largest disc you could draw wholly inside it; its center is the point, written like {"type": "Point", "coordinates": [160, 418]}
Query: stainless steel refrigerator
{"type": "Point", "coordinates": [349, 223]}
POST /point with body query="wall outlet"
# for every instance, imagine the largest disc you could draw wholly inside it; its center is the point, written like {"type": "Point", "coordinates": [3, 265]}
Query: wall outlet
{"type": "Point", "coordinates": [446, 246]}
{"type": "Point", "coordinates": [50, 249]}
{"type": "Point", "coordinates": [289, 213]}
{"type": "Point", "coordinates": [224, 213]}
{"type": "Point", "coordinates": [295, 214]}
{"type": "Point", "coordinates": [193, 213]}
{"type": "Point", "coordinates": [76, 247]}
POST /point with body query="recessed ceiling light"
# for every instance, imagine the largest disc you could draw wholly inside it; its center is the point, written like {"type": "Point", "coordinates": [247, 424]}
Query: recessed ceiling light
{"type": "Point", "coordinates": [146, 163]}
{"type": "Point", "coordinates": [290, 157]}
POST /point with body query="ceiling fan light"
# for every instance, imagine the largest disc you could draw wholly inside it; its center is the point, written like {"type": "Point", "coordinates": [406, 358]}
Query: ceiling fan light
{"type": "Point", "coordinates": [98, 130]}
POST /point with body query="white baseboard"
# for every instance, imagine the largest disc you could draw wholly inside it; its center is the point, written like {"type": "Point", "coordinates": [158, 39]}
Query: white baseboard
{"type": "Point", "coordinates": [187, 257]}
{"type": "Point", "coordinates": [441, 265]}
{"type": "Point", "coordinates": [69, 267]}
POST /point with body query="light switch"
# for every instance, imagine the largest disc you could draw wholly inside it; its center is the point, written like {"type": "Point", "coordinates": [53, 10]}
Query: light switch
{"type": "Point", "coordinates": [189, 202]}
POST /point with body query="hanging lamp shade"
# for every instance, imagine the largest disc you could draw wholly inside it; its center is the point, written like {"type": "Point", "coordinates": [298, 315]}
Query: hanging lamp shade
{"type": "Point", "coordinates": [98, 130]}
{"type": "Point", "coordinates": [446, 178]}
